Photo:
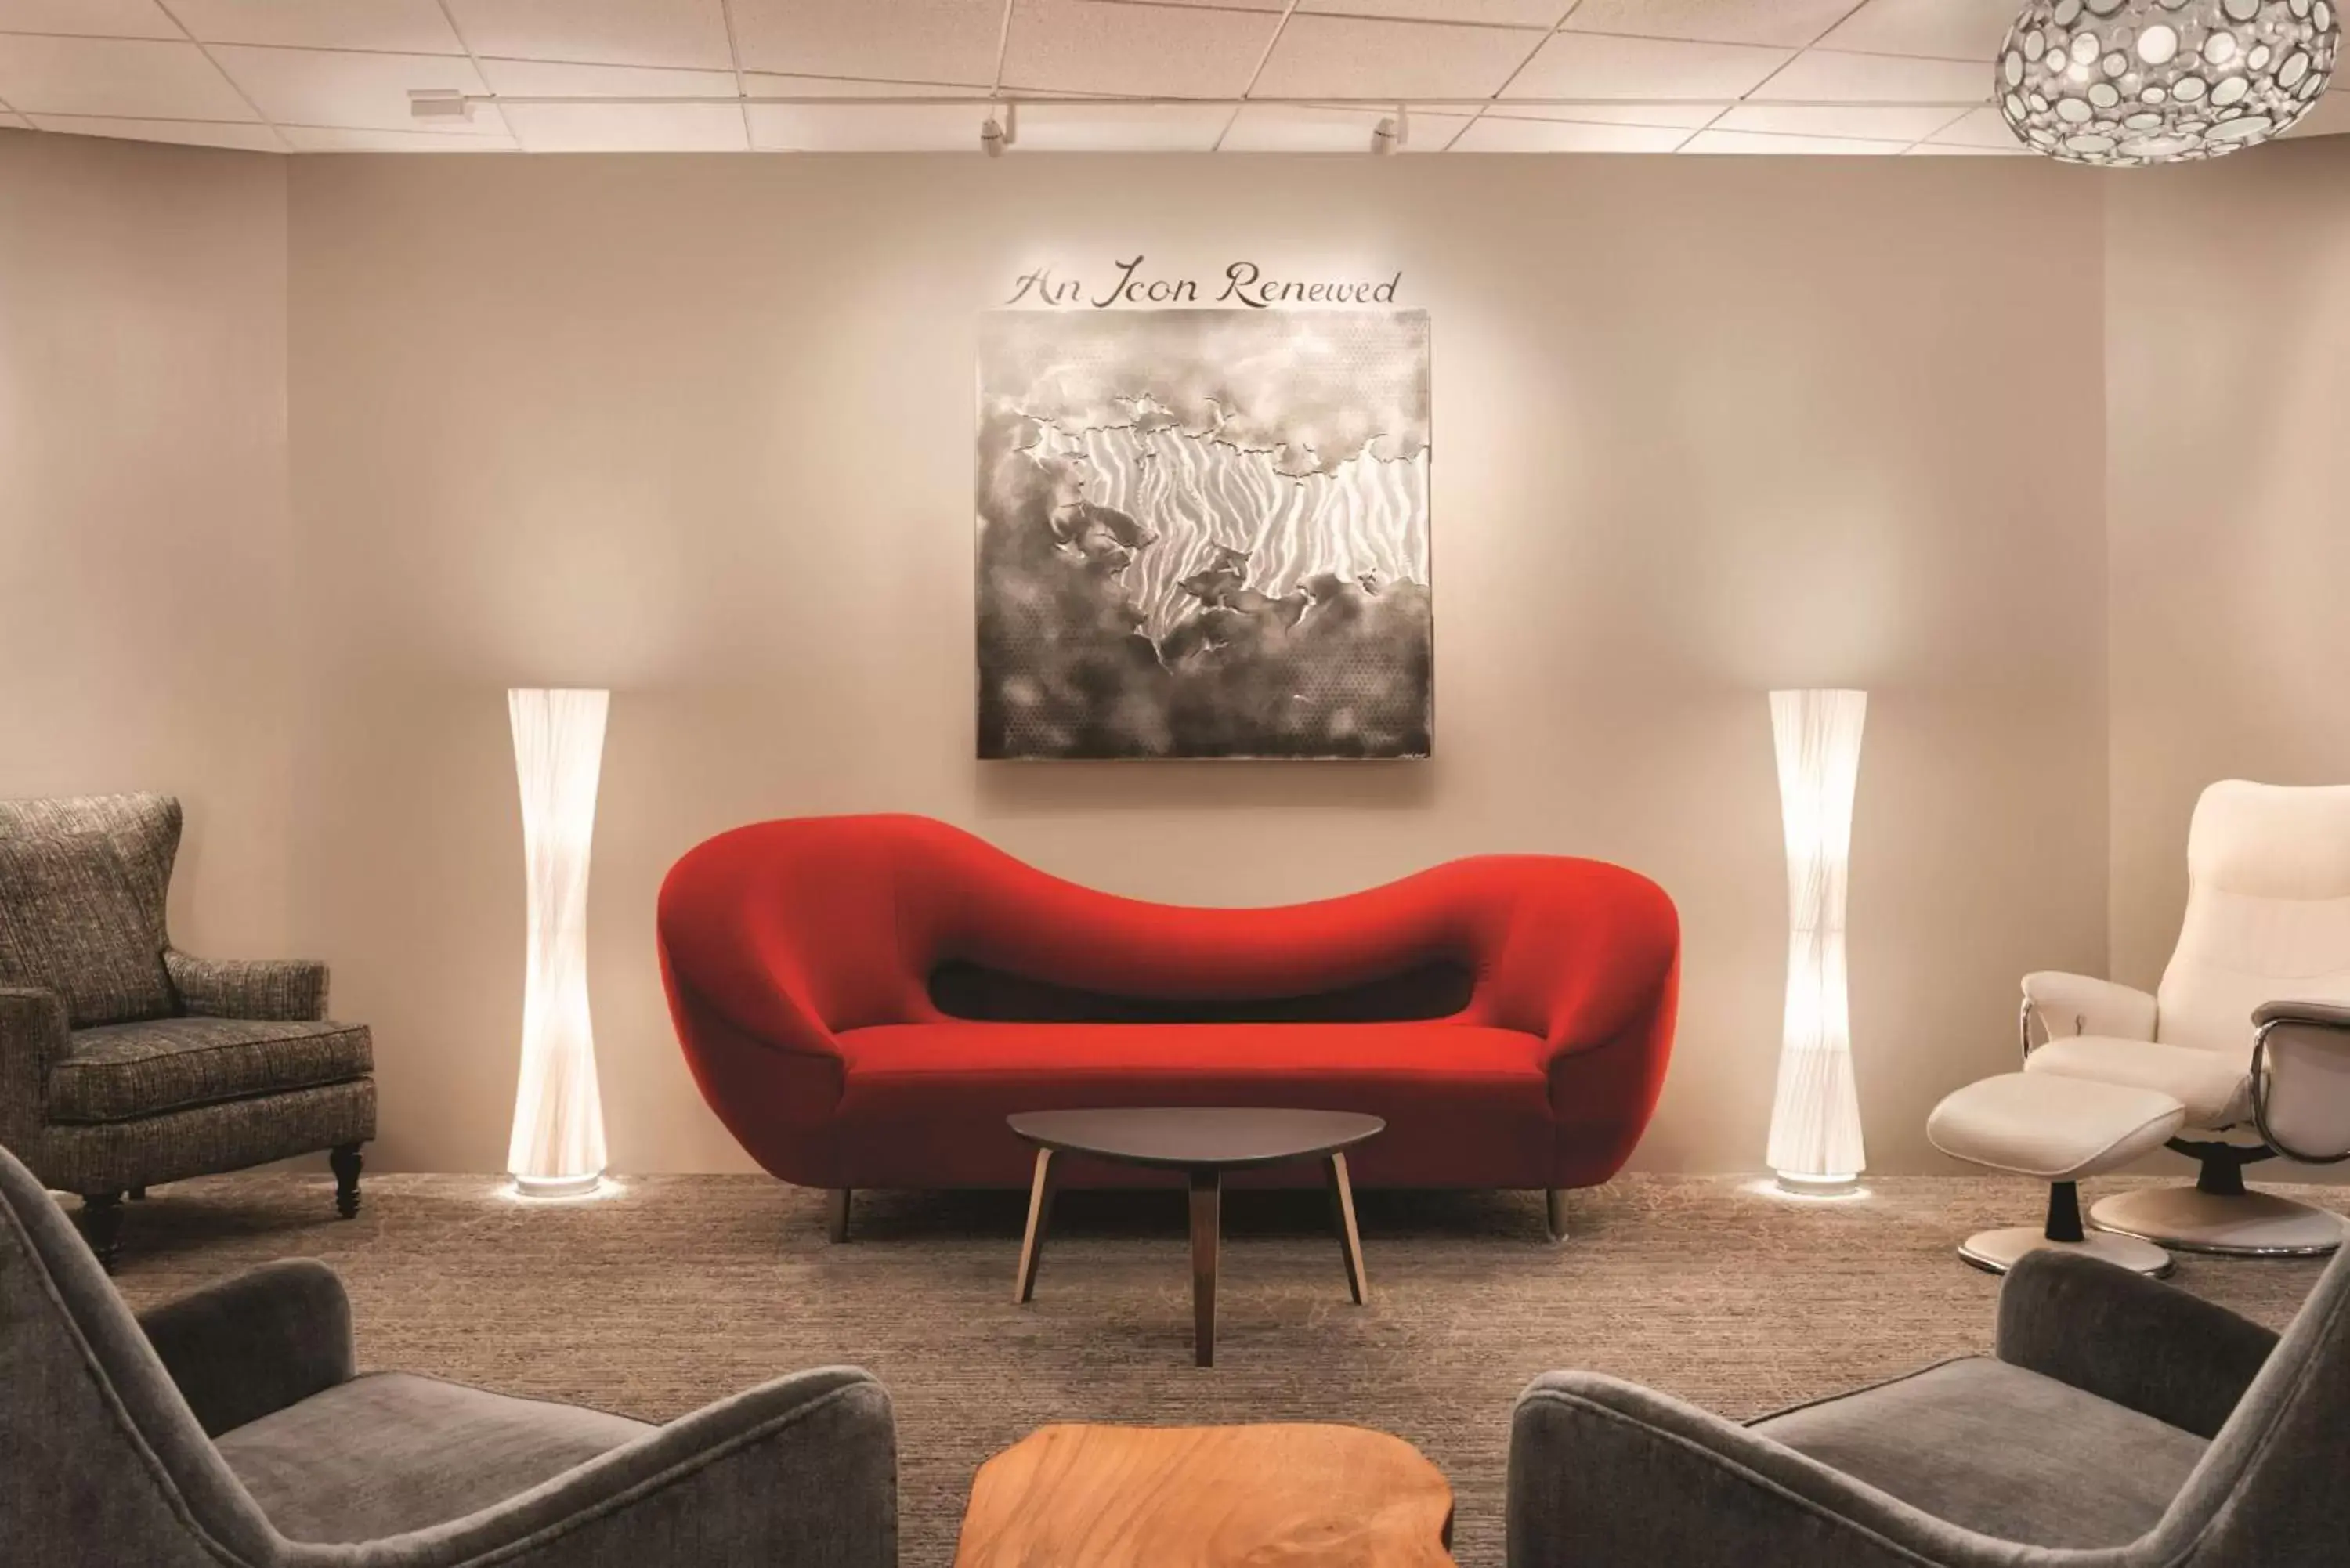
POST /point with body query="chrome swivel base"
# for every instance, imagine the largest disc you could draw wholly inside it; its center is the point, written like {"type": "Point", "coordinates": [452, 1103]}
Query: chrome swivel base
{"type": "Point", "coordinates": [1997, 1250]}
{"type": "Point", "coordinates": [2234, 1225]}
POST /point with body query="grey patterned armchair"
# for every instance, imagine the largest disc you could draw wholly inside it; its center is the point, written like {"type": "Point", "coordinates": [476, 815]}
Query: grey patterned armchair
{"type": "Point", "coordinates": [2121, 1423]}
{"type": "Point", "coordinates": [228, 1427]}
{"type": "Point", "coordinates": [125, 1063]}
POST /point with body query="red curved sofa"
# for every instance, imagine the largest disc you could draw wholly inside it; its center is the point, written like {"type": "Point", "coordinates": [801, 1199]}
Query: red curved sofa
{"type": "Point", "coordinates": [863, 1000]}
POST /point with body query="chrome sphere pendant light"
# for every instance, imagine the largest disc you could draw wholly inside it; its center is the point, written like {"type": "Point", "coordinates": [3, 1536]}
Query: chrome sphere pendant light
{"type": "Point", "coordinates": [2127, 82]}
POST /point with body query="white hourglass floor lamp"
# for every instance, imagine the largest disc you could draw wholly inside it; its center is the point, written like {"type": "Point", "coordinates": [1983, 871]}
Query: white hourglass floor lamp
{"type": "Point", "coordinates": [557, 1147]}
{"type": "Point", "coordinates": [1815, 1140]}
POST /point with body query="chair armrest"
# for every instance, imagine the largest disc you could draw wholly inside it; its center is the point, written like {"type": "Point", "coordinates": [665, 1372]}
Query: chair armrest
{"type": "Point", "coordinates": [1604, 1473]}
{"type": "Point", "coordinates": [800, 1470]}
{"type": "Point", "coordinates": [264, 1339]}
{"type": "Point", "coordinates": [2301, 1079]}
{"type": "Point", "coordinates": [2323, 1014]}
{"type": "Point", "coordinates": [2082, 1004]}
{"type": "Point", "coordinates": [33, 1034]}
{"type": "Point", "coordinates": [272, 990]}
{"type": "Point", "coordinates": [2112, 1332]}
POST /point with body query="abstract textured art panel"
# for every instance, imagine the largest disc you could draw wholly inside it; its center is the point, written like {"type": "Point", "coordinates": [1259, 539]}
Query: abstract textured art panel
{"type": "Point", "coordinates": [1204, 533]}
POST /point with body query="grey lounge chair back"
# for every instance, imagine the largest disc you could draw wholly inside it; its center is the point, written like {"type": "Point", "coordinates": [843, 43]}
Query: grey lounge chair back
{"type": "Point", "coordinates": [106, 1462]}
{"type": "Point", "coordinates": [2274, 1487]}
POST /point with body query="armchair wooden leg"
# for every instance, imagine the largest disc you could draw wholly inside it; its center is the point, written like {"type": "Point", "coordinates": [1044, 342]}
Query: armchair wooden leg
{"type": "Point", "coordinates": [138, 1195]}
{"type": "Point", "coordinates": [1554, 1212]}
{"type": "Point", "coordinates": [345, 1158]}
{"type": "Point", "coordinates": [101, 1226]}
{"type": "Point", "coordinates": [836, 1213]}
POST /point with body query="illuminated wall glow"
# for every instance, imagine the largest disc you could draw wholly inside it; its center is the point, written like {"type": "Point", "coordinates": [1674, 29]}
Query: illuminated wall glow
{"type": "Point", "coordinates": [1815, 1142]}
{"type": "Point", "coordinates": [557, 1148]}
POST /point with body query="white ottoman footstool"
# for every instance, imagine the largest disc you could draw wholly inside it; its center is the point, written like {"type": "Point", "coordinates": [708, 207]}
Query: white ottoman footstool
{"type": "Point", "coordinates": [2059, 1129]}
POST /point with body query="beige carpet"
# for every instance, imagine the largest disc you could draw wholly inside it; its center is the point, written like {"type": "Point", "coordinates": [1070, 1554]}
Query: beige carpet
{"type": "Point", "coordinates": [679, 1290]}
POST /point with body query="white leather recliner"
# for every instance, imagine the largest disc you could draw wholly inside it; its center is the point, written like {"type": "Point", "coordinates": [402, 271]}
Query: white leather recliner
{"type": "Point", "coordinates": [2249, 1031]}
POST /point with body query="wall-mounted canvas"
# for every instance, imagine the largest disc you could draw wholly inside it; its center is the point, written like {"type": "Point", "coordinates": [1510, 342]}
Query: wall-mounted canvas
{"type": "Point", "coordinates": [1204, 533]}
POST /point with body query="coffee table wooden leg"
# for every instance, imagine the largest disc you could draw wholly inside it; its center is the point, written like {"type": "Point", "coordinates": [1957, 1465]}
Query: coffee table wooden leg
{"type": "Point", "coordinates": [1207, 1217]}
{"type": "Point", "coordinates": [1350, 1241]}
{"type": "Point", "coordinates": [1040, 1214]}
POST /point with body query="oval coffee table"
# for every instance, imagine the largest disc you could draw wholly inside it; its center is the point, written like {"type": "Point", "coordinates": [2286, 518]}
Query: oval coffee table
{"type": "Point", "coordinates": [1203, 1142]}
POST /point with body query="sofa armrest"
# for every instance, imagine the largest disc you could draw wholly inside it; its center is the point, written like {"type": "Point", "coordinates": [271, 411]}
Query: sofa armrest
{"type": "Point", "coordinates": [272, 990]}
{"type": "Point", "coordinates": [1604, 1473]}
{"type": "Point", "coordinates": [258, 1342]}
{"type": "Point", "coordinates": [2084, 1004]}
{"type": "Point", "coordinates": [2133, 1340]}
{"type": "Point", "coordinates": [801, 1470]}
{"type": "Point", "coordinates": [33, 1035]}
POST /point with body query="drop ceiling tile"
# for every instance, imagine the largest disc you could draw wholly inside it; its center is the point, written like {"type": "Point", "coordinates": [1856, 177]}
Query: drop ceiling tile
{"type": "Point", "coordinates": [1502, 133]}
{"type": "Point", "coordinates": [402, 26]}
{"type": "Point", "coordinates": [758, 82]}
{"type": "Point", "coordinates": [1542, 14]}
{"type": "Point", "coordinates": [347, 139]}
{"type": "Point", "coordinates": [1120, 127]}
{"type": "Point", "coordinates": [690, 34]}
{"type": "Point", "coordinates": [127, 78]}
{"type": "Point", "coordinates": [1347, 57]}
{"type": "Point", "coordinates": [629, 127]}
{"type": "Point", "coordinates": [1948, 30]}
{"type": "Point", "coordinates": [1874, 122]}
{"type": "Point", "coordinates": [864, 128]}
{"type": "Point", "coordinates": [1790, 23]}
{"type": "Point", "coordinates": [1590, 65]}
{"type": "Point", "coordinates": [1284, 128]}
{"type": "Point", "coordinates": [900, 40]}
{"type": "Point", "coordinates": [1832, 74]}
{"type": "Point", "coordinates": [253, 137]}
{"type": "Point", "coordinates": [1174, 51]}
{"type": "Point", "coordinates": [2330, 117]}
{"type": "Point", "coordinates": [89, 18]}
{"type": "Point", "coordinates": [556, 79]}
{"type": "Point", "coordinates": [1664, 116]}
{"type": "Point", "coordinates": [1942, 149]}
{"type": "Point", "coordinates": [1782, 146]}
{"type": "Point", "coordinates": [325, 87]}
{"type": "Point", "coordinates": [1981, 127]}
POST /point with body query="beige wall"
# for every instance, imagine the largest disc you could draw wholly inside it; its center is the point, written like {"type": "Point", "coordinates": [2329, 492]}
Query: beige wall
{"type": "Point", "coordinates": [698, 429]}
{"type": "Point", "coordinates": [145, 555]}
{"type": "Point", "coordinates": [2227, 396]}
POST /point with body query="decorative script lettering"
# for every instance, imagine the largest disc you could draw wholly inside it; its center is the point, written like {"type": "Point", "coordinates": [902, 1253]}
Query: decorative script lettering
{"type": "Point", "coordinates": [1244, 282]}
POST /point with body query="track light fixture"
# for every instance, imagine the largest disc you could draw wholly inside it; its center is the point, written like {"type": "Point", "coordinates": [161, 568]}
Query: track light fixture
{"type": "Point", "coordinates": [1391, 132]}
{"type": "Point", "coordinates": [996, 134]}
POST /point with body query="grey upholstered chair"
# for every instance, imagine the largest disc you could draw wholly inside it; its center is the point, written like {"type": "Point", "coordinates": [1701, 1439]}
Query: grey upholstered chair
{"type": "Point", "coordinates": [125, 1063]}
{"type": "Point", "coordinates": [2121, 1424]}
{"type": "Point", "coordinates": [228, 1427]}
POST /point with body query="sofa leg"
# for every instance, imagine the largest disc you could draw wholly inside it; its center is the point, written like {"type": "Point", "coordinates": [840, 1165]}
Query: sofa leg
{"type": "Point", "coordinates": [1554, 1212]}
{"type": "Point", "coordinates": [138, 1195]}
{"type": "Point", "coordinates": [345, 1158]}
{"type": "Point", "coordinates": [101, 1226]}
{"type": "Point", "coordinates": [835, 1214]}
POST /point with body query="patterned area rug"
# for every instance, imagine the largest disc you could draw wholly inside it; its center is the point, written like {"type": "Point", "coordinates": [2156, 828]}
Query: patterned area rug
{"type": "Point", "coordinates": [673, 1291]}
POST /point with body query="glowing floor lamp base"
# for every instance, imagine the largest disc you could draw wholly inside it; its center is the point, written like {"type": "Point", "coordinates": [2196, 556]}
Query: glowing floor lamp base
{"type": "Point", "coordinates": [1816, 1143]}
{"type": "Point", "coordinates": [557, 1148]}
{"type": "Point", "coordinates": [558, 1186]}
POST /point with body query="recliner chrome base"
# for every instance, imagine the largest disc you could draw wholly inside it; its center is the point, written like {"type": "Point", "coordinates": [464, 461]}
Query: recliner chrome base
{"type": "Point", "coordinates": [1997, 1250]}
{"type": "Point", "coordinates": [2234, 1225]}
